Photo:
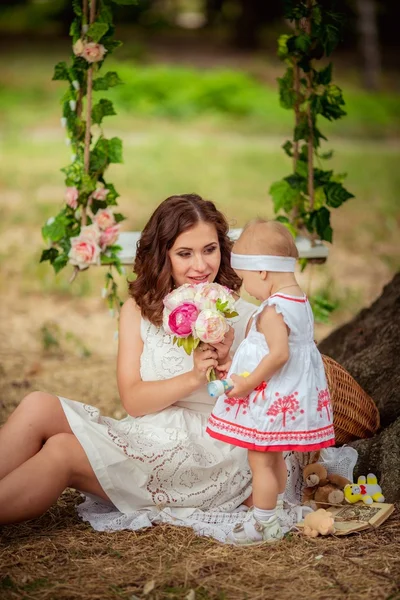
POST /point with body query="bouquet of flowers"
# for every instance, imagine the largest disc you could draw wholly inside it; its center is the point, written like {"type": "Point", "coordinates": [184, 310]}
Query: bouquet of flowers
{"type": "Point", "coordinates": [198, 313]}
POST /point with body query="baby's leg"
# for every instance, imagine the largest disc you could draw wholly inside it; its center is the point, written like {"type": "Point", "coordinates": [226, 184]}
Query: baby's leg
{"type": "Point", "coordinates": [268, 480]}
{"type": "Point", "coordinates": [262, 526]}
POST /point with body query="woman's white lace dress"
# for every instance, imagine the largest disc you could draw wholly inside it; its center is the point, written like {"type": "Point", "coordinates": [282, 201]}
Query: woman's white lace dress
{"type": "Point", "coordinates": [164, 467]}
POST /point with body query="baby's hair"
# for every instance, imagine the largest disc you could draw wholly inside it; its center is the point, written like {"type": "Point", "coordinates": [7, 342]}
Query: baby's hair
{"type": "Point", "coordinates": [266, 237]}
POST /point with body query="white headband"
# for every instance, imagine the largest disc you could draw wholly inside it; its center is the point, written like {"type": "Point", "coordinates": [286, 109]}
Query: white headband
{"type": "Point", "coordinates": [262, 262]}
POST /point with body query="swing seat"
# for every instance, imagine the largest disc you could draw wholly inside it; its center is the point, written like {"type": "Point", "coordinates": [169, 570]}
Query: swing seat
{"type": "Point", "coordinates": [128, 240]}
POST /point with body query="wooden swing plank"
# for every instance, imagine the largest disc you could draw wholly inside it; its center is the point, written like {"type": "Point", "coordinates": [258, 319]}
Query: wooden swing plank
{"type": "Point", "coordinates": [128, 240]}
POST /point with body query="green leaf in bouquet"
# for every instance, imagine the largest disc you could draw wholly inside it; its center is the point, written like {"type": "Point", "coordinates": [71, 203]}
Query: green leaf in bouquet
{"type": "Point", "coordinates": [187, 344]}
{"type": "Point", "coordinates": [221, 306]}
{"type": "Point", "coordinates": [212, 376]}
{"type": "Point", "coordinates": [196, 342]}
{"type": "Point", "coordinates": [229, 314]}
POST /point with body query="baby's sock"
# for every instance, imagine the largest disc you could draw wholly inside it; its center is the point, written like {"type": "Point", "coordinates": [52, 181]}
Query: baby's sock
{"type": "Point", "coordinates": [263, 515]}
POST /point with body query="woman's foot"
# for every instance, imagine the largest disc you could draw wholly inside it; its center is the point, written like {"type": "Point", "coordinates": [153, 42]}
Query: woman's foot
{"type": "Point", "coordinates": [253, 532]}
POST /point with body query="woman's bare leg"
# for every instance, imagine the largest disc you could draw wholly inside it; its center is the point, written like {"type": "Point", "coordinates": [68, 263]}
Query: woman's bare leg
{"type": "Point", "coordinates": [38, 417]}
{"type": "Point", "coordinates": [30, 489]}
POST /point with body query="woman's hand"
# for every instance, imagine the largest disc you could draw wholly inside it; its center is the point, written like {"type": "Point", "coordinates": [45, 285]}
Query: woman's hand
{"type": "Point", "coordinates": [204, 358]}
{"type": "Point", "coordinates": [223, 348]}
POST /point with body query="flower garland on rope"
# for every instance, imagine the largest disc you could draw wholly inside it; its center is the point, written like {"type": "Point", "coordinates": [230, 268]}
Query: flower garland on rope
{"type": "Point", "coordinates": [86, 229]}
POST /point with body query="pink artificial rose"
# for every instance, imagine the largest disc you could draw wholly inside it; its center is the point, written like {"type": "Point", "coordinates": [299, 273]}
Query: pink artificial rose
{"type": "Point", "coordinates": [109, 236]}
{"type": "Point", "coordinates": [77, 48]}
{"type": "Point", "coordinates": [90, 233]}
{"type": "Point", "coordinates": [83, 252]}
{"type": "Point", "coordinates": [104, 218]}
{"type": "Point", "coordinates": [71, 197]}
{"type": "Point", "coordinates": [99, 194]}
{"type": "Point", "coordinates": [182, 319]}
{"type": "Point", "coordinates": [211, 326]}
{"type": "Point", "coordinates": [93, 52]}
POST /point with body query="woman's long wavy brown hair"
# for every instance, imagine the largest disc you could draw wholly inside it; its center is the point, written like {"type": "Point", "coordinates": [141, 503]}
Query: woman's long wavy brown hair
{"type": "Point", "coordinates": [152, 263]}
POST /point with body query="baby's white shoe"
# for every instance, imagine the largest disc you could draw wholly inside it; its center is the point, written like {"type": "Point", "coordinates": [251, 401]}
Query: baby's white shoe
{"type": "Point", "coordinates": [253, 532]}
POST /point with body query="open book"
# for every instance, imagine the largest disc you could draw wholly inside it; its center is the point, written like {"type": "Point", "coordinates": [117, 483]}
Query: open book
{"type": "Point", "coordinates": [350, 518]}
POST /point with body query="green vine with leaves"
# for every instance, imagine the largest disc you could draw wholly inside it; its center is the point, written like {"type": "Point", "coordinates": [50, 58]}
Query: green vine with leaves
{"type": "Point", "coordinates": [86, 229]}
{"type": "Point", "coordinates": [306, 196]}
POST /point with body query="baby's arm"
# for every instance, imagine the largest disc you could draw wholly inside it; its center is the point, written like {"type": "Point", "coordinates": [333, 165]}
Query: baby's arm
{"type": "Point", "coordinates": [272, 325]}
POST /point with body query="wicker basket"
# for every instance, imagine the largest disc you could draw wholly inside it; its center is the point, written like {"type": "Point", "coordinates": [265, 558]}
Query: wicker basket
{"type": "Point", "coordinates": [355, 414]}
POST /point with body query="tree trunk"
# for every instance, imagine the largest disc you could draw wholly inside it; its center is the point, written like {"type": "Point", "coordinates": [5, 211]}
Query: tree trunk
{"type": "Point", "coordinates": [369, 43]}
{"type": "Point", "coordinates": [369, 348]}
{"type": "Point", "coordinates": [381, 455]}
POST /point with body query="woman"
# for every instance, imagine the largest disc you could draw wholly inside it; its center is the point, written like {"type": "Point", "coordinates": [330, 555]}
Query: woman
{"type": "Point", "coordinates": [160, 454]}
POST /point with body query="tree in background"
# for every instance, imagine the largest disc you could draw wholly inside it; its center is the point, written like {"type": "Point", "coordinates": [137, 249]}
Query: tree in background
{"type": "Point", "coordinates": [307, 195]}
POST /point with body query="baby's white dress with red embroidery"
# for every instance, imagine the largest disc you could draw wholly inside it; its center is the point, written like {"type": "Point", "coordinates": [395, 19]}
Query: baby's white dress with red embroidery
{"type": "Point", "coordinates": [293, 410]}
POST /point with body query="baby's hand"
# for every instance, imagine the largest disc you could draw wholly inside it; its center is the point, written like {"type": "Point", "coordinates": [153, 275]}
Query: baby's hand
{"type": "Point", "coordinates": [241, 388]}
{"type": "Point", "coordinates": [222, 370]}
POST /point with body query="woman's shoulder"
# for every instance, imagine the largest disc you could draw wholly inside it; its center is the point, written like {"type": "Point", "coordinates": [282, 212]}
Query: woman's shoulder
{"type": "Point", "coordinates": [130, 310]}
{"type": "Point", "coordinates": [130, 317]}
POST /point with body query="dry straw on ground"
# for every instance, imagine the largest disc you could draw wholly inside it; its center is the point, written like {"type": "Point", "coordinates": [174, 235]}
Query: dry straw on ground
{"type": "Point", "coordinates": [58, 556]}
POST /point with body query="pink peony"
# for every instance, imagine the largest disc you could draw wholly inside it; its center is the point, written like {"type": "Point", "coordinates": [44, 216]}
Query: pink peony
{"type": "Point", "coordinates": [109, 236]}
{"type": "Point", "coordinates": [104, 219]}
{"type": "Point", "coordinates": [71, 197]}
{"type": "Point", "coordinates": [184, 293]}
{"type": "Point", "coordinates": [208, 294]}
{"type": "Point", "coordinates": [211, 326]}
{"type": "Point", "coordinates": [93, 52]}
{"type": "Point", "coordinates": [182, 319]}
{"type": "Point", "coordinates": [83, 252]}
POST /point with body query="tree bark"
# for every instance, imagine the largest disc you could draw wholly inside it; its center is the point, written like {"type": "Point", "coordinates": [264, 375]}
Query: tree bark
{"type": "Point", "coordinates": [381, 455]}
{"type": "Point", "coordinates": [369, 348]}
{"type": "Point", "coordinates": [369, 43]}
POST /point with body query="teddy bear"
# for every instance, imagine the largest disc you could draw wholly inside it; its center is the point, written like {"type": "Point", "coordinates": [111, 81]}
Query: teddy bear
{"type": "Point", "coordinates": [366, 490]}
{"type": "Point", "coordinates": [322, 490]}
{"type": "Point", "coordinates": [319, 522]}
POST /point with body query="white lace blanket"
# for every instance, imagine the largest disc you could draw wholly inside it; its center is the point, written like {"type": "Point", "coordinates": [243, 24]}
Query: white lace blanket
{"type": "Point", "coordinates": [105, 517]}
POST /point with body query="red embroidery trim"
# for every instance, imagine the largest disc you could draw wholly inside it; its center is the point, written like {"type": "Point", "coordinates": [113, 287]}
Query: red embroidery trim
{"type": "Point", "coordinates": [287, 298]}
{"type": "Point", "coordinates": [275, 448]}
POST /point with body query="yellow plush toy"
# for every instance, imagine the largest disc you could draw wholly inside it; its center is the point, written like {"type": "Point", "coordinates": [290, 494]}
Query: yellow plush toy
{"type": "Point", "coordinates": [366, 490]}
